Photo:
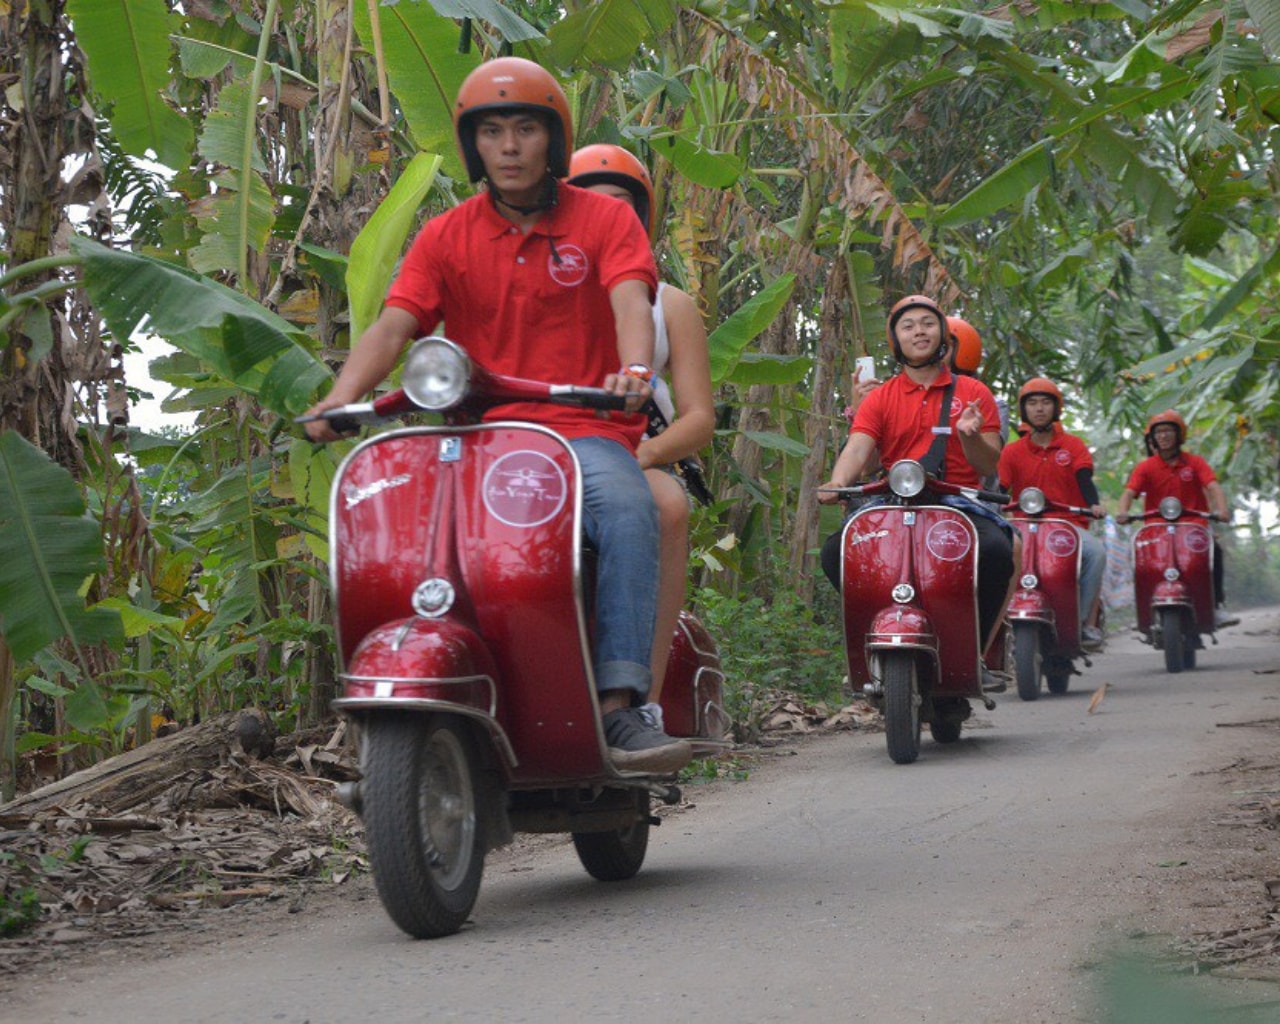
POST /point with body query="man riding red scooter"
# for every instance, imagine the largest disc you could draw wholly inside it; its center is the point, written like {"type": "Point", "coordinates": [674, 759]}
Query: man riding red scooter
{"type": "Point", "coordinates": [910, 569]}
{"type": "Point", "coordinates": [1055, 610]}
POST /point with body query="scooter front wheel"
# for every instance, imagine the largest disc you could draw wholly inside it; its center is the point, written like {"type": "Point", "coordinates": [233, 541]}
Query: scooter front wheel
{"type": "Point", "coordinates": [421, 820]}
{"type": "Point", "coordinates": [1173, 639]}
{"type": "Point", "coordinates": [616, 855]}
{"type": "Point", "coordinates": [1028, 662]}
{"type": "Point", "coordinates": [901, 706]}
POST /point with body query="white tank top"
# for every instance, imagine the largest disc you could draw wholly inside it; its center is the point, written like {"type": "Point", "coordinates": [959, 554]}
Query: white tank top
{"type": "Point", "coordinates": [661, 356]}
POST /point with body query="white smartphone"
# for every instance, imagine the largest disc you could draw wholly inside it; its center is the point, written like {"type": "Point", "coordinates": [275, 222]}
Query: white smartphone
{"type": "Point", "coordinates": [866, 368]}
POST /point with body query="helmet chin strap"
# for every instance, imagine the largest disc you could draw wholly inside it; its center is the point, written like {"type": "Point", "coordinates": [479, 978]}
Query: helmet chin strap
{"type": "Point", "coordinates": [938, 356]}
{"type": "Point", "coordinates": [547, 201]}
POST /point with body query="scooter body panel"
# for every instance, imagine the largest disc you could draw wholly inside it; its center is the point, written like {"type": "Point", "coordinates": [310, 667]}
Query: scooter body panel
{"type": "Point", "coordinates": [693, 689]}
{"type": "Point", "coordinates": [933, 550]}
{"type": "Point", "coordinates": [1183, 550]}
{"type": "Point", "coordinates": [1051, 553]}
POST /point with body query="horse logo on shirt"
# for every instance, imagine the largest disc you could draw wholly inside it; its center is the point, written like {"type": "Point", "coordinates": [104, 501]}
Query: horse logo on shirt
{"type": "Point", "coordinates": [572, 268]}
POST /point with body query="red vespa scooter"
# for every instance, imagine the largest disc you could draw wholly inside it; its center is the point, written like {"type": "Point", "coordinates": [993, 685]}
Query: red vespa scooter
{"type": "Point", "coordinates": [1045, 609]}
{"type": "Point", "coordinates": [464, 631]}
{"type": "Point", "coordinates": [1173, 581]}
{"type": "Point", "coordinates": [909, 572]}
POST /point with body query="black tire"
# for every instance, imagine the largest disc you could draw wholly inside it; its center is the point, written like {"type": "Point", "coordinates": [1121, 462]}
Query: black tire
{"type": "Point", "coordinates": [1172, 639]}
{"type": "Point", "coordinates": [946, 729]}
{"type": "Point", "coordinates": [1027, 659]}
{"type": "Point", "coordinates": [421, 819]}
{"type": "Point", "coordinates": [901, 707]}
{"type": "Point", "coordinates": [617, 855]}
{"type": "Point", "coordinates": [1057, 676]}
{"type": "Point", "coordinates": [1189, 653]}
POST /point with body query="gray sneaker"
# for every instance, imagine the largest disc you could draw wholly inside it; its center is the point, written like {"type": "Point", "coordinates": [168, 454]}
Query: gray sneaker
{"type": "Point", "coordinates": [637, 745]}
{"type": "Point", "coordinates": [1091, 638]}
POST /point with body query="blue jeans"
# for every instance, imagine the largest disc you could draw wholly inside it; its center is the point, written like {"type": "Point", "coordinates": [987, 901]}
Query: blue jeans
{"type": "Point", "coordinates": [1093, 564]}
{"type": "Point", "coordinates": [620, 520]}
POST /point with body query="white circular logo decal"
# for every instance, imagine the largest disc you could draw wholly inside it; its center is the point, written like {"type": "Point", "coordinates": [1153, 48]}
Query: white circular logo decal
{"type": "Point", "coordinates": [571, 268]}
{"type": "Point", "coordinates": [1061, 542]}
{"type": "Point", "coordinates": [1062, 458]}
{"type": "Point", "coordinates": [948, 540]}
{"type": "Point", "coordinates": [1197, 539]}
{"type": "Point", "coordinates": [524, 488]}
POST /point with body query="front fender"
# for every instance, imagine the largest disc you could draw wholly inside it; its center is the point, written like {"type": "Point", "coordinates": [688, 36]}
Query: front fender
{"type": "Point", "coordinates": [1030, 605]}
{"type": "Point", "coordinates": [902, 626]}
{"type": "Point", "coordinates": [1170, 593]}
{"type": "Point", "coordinates": [421, 660]}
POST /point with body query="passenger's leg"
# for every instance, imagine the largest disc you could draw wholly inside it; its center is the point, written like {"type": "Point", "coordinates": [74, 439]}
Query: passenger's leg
{"type": "Point", "coordinates": [673, 569]}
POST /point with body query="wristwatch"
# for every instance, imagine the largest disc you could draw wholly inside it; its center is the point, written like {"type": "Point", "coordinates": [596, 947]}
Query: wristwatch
{"type": "Point", "coordinates": [645, 373]}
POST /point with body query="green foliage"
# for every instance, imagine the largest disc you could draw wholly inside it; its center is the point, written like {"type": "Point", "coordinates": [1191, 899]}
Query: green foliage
{"type": "Point", "coordinates": [771, 646]}
{"type": "Point", "coordinates": [48, 548]}
{"type": "Point", "coordinates": [19, 905]}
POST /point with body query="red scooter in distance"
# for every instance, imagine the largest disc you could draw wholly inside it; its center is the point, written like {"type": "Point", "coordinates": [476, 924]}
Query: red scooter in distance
{"type": "Point", "coordinates": [908, 584]}
{"type": "Point", "coordinates": [464, 634]}
{"type": "Point", "coordinates": [1173, 581]}
{"type": "Point", "coordinates": [1045, 609]}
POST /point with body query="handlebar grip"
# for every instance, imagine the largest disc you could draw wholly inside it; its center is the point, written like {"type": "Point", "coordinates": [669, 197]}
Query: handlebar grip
{"type": "Point", "coordinates": [343, 424]}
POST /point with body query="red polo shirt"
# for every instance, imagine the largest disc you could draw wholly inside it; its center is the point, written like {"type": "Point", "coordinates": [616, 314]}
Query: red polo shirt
{"type": "Point", "coordinates": [900, 416]}
{"type": "Point", "coordinates": [1052, 468]}
{"type": "Point", "coordinates": [532, 305]}
{"type": "Point", "coordinates": [1185, 478]}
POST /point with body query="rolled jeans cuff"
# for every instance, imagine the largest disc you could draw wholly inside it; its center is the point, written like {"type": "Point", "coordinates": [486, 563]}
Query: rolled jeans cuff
{"type": "Point", "coordinates": [624, 675]}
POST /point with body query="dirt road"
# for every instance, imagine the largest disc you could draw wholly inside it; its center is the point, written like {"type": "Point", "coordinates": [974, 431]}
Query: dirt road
{"type": "Point", "coordinates": [1007, 877]}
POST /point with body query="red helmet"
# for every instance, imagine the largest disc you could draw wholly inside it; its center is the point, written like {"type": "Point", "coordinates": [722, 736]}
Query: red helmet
{"type": "Point", "coordinates": [506, 85]}
{"type": "Point", "coordinates": [895, 314]}
{"type": "Point", "coordinates": [967, 345]}
{"type": "Point", "coordinates": [1168, 416]}
{"type": "Point", "coordinates": [605, 164]}
{"type": "Point", "coordinates": [1040, 386]}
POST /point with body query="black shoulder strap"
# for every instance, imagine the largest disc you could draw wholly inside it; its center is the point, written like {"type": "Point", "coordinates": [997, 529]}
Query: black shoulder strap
{"type": "Point", "coordinates": [689, 468]}
{"type": "Point", "coordinates": [935, 459]}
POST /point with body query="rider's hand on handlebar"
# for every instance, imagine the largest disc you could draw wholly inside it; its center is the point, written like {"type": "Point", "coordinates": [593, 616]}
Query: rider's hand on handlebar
{"type": "Point", "coordinates": [1098, 511]}
{"type": "Point", "coordinates": [1124, 518]}
{"type": "Point", "coordinates": [637, 390]}
{"type": "Point", "coordinates": [826, 494]}
{"type": "Point", "coordinates": [319, 430]}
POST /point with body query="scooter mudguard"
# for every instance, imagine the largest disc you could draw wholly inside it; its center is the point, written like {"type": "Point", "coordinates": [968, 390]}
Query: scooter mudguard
{"type": "Point", "coordinates": [693, 689]}
{"type": "Point", "coordinates": [903, 627]}
{"type": "Point", "coordinates": [1030, 605]}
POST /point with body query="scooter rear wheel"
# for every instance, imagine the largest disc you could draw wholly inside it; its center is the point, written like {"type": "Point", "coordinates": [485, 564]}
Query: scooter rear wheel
{"type": "Point", "coordinates": [901, 707]}
{"type": "Point", "coordinates": [617, 855]}
{"type": "Point", "coordinates": [1027, 660]}
{"type": "Point", "coordinates": [1173, 639]}
{"type": "Point", "coordinates": [421, 820]}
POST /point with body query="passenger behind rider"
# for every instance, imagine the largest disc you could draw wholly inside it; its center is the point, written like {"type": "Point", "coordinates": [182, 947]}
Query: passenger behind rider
{"type": "Point", "coordinates": [897, 420]}
{"type": "Point", "coordinates": [1169, 472]}
{"type": "Point", "coordinates": [1060, 465]}
{"type": "Point", "coordinates": [546, 281]}
{"type": "Point", "coordinates": [680, 351]}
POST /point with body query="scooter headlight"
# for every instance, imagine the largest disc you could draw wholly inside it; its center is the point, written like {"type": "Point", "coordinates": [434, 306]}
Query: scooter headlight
{"type": "Point", "coordinates": [1031, 501]}
{"type": "Point", "coordinates": [1170, 508]}
{"type": "Point", "coordinates": [1029, 581]}
{"type": "Point", "coordinates": [1171, 574]}
{"type": "Point", "coordinates": [906, 478]}
{"type": "Point", "coordinates": [436, 374]}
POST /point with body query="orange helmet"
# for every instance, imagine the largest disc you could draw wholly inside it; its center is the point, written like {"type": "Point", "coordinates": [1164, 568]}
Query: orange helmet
{"type": "Point", "coordinates": [605, 164]}
{"type": "Point", "coordinates": [967, 345]}
{"type": "Point", "coordinates": [1040, 386]}
{"type": "Point", "coordinates": [1168, 416]}
{"type": "Point", "coordinates": [895, 314]}
{"type": "Point", "coordinates": [510, 84]}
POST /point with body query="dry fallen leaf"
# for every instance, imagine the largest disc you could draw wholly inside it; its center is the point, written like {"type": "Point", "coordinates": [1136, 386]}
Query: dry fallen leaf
{"type": "Point", "coordinates": [1098, 694]}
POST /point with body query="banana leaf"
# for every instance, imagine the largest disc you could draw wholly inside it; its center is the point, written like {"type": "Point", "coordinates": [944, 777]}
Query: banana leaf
{"type": "Point", "coordinates": [126, 44]}
{"type": "Point", "coordinates": [746, 322]}
{"type": "Point", "coordinates": [240, 340]}
{"type": "Point", "coordinates": [48, 547]}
